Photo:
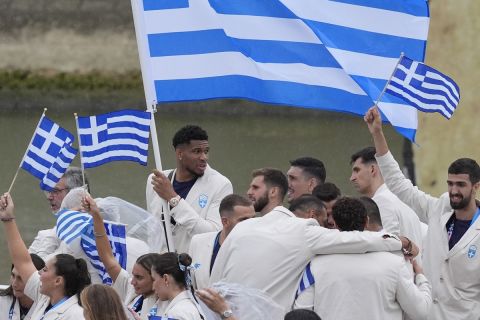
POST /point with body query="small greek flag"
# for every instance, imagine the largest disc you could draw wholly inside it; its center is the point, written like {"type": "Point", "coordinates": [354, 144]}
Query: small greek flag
{"type": "Point", "coordinates": [116, 136]}
{"type": "Point", "coordinates": [73, 224]}
{"type": "Point", "coordinates": [49, 154]}
{"type": "Point", "coordinates": [116, 234]}
{"type": "Point", "coordinates": [307, 280]}
{"type": "Point", "coordinates": [424, 88]}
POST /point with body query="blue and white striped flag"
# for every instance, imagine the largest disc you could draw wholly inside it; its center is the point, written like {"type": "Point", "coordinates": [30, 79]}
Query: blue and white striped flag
{"type": "Point", "coordinates": [116, 136]}
{"type": "Point", "coordinates": [116, 234]}
{"type": "Point", "coordinates": [307, 280]}
{"type": "Point", "coordinates": [160, 318]}
{"type": "Point", "coordinates": [73, 224]}
{"type": "Point", "coordinates": [306, 53]}
{"type": "Point", "coordinates": [423, 87]}
{"type": "Point", "coordinates": [49, 154]}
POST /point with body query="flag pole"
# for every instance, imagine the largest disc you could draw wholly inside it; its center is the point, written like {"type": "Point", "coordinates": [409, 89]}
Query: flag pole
{"type": "Point", "coordinates": [389, 79]}
{"type": "Point", "coordinates": [165, 217]}
{"type": "Point", "coordinates": [23, 158]}
{"type": "Point", "coordinates": [80, 150]}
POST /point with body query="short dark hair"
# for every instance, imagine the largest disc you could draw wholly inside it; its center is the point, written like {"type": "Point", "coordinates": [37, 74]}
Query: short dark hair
{"type": "Point", "coordinates": [373, 212]}
{"type": "Point", "coordinates": [187, 134]}
{"type": "Point", "coordinates": [74, 178]}
{"type": "Point", "coordinates": [307, 202]}
{"type": "Point", "coordinates": [327, 192]}
{"type": "Point", "coordinates": [349, 214]}
{"type": "Point", "coordinates": [302, 314]}
{"type": "Point", "coordinates": [314, 168]}
{"type": "Point", "coordinates": [273, 178]}
{"type": "Point", "coordinates": [230, 201]}
{"type": "Point", "coordinates": [367, 155]}
{"type": "Point", "coordinates": [466, 166]}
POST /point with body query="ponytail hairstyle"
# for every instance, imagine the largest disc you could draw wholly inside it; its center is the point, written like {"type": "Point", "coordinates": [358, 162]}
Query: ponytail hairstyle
{"type": "Point", "coordinates": [176, 265]}
{"type": "Point", "coordinates": [74, 272]}
{"type": "Point", "coordinates": [37, 262]}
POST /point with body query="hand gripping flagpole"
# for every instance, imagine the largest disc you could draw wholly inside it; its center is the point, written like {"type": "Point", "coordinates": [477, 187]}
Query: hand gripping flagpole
{"type": "Point", "coordinates": [389, 79]}
{"type": "Point", "coordinates": [165, 217]}
{"type": "Point", "coordinates": [80, 151]}
{"type": "Point", "coordinates": [33, 135]}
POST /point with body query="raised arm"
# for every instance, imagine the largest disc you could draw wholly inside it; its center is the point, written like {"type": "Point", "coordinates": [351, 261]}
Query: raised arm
{"type": "Point", "coordinates": [101, 240]}
{"type": "Point", "coordinates": [18, 251]}
{"type": "Point", "coordinates": [374, 123]}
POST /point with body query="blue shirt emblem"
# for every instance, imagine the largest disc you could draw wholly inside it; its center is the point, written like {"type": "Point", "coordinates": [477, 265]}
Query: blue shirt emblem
{"type": "Point", "coordinates": [472, 251]}
{"type": "Point", "coordinates": [202, 200]}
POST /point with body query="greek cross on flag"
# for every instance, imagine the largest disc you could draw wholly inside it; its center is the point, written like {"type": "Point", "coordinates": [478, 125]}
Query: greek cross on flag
{"type": "Point", "coordinates": [424, 88]}
{"type": "Point", "coordinates": [116, 234]}
{"type": "Point", "coordinates": [116, 136]}
{"type": "Point", "coordinates": [49, 154]}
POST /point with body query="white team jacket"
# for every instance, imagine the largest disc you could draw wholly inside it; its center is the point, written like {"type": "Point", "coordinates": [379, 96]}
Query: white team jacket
{"type": "Point", "coordinates": [201, 249]}
{"type": "Point", "coordinates": [196, 214]}
{"type": "Point", "coordinates": [370, 286]}
{"type": "Point", "coordinates": [454, 274]}
{"type": "Point", "coordinates": [270, 253]}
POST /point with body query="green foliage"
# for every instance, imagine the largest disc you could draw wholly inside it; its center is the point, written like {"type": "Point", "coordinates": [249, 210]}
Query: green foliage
{"type": "Point", "coordinates": [50, 80]}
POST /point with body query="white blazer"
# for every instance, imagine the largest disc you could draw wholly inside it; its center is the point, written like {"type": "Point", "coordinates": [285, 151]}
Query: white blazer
{"type": "Point", "coordinates": [454, 274]}
{"type": "Point", "coordinates": [182, 307]}
{"type": "Point", "coordinates": [201, 250]}
{"type": "Point", "coordinates": [270, 253]}
{"type": "Point", "coordinates": [6, 303]}
{"type": "Point", "coordinates": [69, 310]}
{"type": "Point", "coordinates": [370, 286]}
{"type": "Point", "coordinates": [198, 213]}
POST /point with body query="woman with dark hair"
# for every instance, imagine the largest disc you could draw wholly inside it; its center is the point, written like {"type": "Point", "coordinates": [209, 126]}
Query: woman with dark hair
{"type": "Point", "coordinates": [14, 304]}
{"type": "Point", "coordinates": [56, 288]}
{"type": "Point", "coordinates": [101, 302]}
{"type": "Point", "coordinates": [171, 281]}
{"type": "Point", "coordinates": [135, 291]}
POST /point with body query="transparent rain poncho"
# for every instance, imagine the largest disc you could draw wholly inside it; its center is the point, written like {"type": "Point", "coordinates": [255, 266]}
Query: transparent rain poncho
{"type": "Point", "coordinates": [245, 302]}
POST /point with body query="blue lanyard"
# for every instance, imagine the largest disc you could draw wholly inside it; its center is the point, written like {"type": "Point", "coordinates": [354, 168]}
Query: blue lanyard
{"type": "Point", "coordinates": [54, 306]}
{"type": "Point", "coordinates": [137, 306]}
{"type": "Point", "coordinates": [452, 224]}
{"type": "Point", "coordinates": [475, 217]}
{"type": "Point", "coordinates": [12, 307]}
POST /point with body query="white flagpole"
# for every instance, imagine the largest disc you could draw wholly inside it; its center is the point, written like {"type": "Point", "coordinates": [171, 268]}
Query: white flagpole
{"type": "Point", "coordinates": [144, 56]}
{"type": "Point", "coordinates": [80, 151]}
{"type": "Point", "coordinates": [166, 217]}
{"type": "Point", "coordinates": [389, 79]}
{"type": "Point", "coordinates": [25, 154]}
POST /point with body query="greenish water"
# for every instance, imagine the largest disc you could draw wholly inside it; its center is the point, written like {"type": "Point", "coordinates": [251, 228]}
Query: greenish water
{"type": "Point", "coordinates": [243, 136]}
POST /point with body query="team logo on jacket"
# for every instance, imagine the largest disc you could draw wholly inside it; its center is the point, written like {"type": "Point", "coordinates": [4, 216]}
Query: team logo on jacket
{"type": "Point", "coordinates": [202, 200]}
{"type": "Point", "coordinates": [472, 251]}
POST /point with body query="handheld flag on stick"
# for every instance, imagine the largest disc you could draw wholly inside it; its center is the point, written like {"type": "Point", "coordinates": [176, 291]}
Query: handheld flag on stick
{"type": "Point", "coordinates": [116, 136]}
{"type": "Point", "coordinates": [49, 153]}
{"type": "Point", "coordinates": [424, 88]}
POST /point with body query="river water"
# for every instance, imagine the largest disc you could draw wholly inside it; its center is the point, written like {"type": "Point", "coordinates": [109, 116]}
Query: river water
{"type": "Point", "coordinates": [249, 137]}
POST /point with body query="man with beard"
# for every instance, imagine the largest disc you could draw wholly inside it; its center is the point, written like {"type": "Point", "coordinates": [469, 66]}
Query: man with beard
{"type": "Point", "coordinates": [452, 247]}
{"type": "Point", "coordinates": [193, 190]}
{"type": "Point", "coordinates": [267, 189]}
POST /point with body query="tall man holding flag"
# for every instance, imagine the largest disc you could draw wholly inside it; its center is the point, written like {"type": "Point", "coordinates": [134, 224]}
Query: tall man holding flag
{"type": "Point", "coordinates": [451, 255]}
{"type": "Point", "coordinates": [193, 190]}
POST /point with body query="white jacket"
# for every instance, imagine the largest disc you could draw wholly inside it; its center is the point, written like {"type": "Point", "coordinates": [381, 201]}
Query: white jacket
{"type": "Point", "coordinates": [454, 274]}
{"type": "Point", "coordinates": [69, 310]}
{"type": "Point", "coordinates": [270, 253]}
{"type": "Point", "coordinates": [182, 307]}
{"type": "Point", "coordinates": [201, 250]}
{"type": "Point", "coordinates": [6, 304]}
{"type": "Point", "coordinates": [196, 214]}
{"type": "Point", "coordinates": [370, 286]}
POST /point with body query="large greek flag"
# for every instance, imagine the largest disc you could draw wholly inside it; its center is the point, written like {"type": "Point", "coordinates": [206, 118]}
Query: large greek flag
{"type": "Point", "coordinates": [49, 153]}
{"type": "Point", "coordinates": [116, 136]}
{"type": "Point", "coordinates": [424, 87]}
{"type": "Point", "coordinates": [332, 55]}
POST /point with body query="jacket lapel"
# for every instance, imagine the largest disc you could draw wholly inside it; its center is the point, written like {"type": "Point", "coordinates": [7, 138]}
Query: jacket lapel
{"type": "Point", "coordinates": [467, 238]}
